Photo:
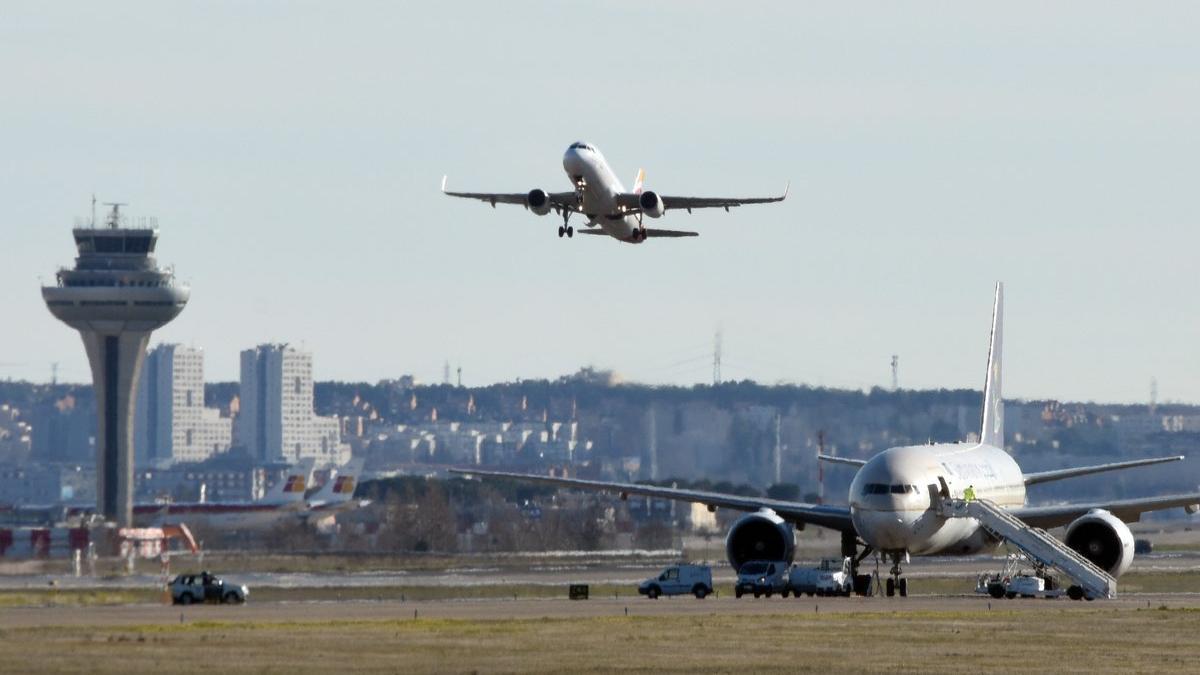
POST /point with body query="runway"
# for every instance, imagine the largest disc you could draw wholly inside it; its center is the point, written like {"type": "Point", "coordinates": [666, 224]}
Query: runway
{"type": "Point", "coordinates": [502, 609]}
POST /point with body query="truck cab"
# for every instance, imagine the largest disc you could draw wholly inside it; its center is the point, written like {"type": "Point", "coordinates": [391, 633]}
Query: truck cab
{"type": "Point", "coordinates": [679, 580]}
{"type": "Point", "coordinates": [762, 577]}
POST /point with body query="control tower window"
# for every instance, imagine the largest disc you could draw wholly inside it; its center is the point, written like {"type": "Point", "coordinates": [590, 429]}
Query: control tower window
{"type": "Point", "coordinates": [110, 245]}
{"type": "Point", "coordinates": [137, 244]}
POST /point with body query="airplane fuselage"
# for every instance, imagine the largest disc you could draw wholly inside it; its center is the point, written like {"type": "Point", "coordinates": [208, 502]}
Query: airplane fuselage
{"type": "Point", "coordinates": [599, 187]}
{"type": "Point", "coordinates": [891, 505]}
{"type": "Point", "coordinates": [249, 515]}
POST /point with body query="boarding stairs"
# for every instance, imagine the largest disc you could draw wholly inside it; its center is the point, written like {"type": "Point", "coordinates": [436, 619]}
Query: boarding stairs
{"type": "Point", "coordinates": [1035, 543]}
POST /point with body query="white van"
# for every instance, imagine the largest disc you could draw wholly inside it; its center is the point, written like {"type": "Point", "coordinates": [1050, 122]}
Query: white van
{"type": "Point", "coordinates": [762, 577]}
{"type": "Point", "coordinates": [679, 580]}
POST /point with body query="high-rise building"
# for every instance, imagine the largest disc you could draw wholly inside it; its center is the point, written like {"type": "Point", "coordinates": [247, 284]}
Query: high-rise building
{"type": "Point", "coordinates": [276, 421]}
{"type": "Point", "coordinates": [115, 296]}
{"type": "Point", "coordinates": [171, 423]}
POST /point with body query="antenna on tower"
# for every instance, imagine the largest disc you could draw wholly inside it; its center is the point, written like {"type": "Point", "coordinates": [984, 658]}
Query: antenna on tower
{"type": "Point", "coordinates": [717, 358]}
{"type": "Point", "coordinates": [1153, 395]}
{"type": "Point", "coordinates": [114, 216]}
{"type": "Point", "coordinates": [895, 372]}
{"type": "Point", "coordinates": [93, 210]}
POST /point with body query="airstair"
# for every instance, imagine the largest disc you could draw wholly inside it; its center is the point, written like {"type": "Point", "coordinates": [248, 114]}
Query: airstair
{"type": "Point", "coordinates": [1035, 543]}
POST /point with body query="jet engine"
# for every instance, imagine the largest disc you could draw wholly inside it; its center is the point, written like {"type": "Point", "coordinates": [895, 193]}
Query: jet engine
{"type": "Point", "coordinates": [538, 202]}
{"type": "Point", "coordinates": [652, 204]}
{"type": "Point", "coordinates": [760, 536]}
{"type": "Point", "coordinates": [1103, 539]}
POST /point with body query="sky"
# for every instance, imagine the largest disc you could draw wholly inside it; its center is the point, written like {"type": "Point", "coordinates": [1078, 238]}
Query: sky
{"type": "Point", "coordinates": [292, 153]}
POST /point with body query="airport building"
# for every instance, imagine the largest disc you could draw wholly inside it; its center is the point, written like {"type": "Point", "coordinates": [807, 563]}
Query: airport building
{"type": "Point", "coordinates": [115, 296]}
{"type": "Point", "coordinates": [276, 421]}
{"type": "Point", "coordinates": [171, 423]}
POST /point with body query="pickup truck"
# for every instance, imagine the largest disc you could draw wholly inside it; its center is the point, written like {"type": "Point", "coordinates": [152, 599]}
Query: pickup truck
{"type": "Point", "coordinates": [762, 577]}
{"type": "Point", "coordinates": [832, 577]}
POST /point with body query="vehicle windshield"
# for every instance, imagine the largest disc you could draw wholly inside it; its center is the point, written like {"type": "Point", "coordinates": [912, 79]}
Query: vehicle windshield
{"type": "Point", "coordinates": [754, 568]}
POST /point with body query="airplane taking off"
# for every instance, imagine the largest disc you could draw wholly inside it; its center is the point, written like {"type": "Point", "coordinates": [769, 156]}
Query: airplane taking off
{"type": "Point", "coordinates": [599, 196]}
{"type": "Point", "coordinates": [934, 500]}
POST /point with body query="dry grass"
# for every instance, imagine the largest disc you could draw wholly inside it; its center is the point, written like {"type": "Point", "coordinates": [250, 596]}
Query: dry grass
{"type": "Point", "coordinates": [1049, 640]}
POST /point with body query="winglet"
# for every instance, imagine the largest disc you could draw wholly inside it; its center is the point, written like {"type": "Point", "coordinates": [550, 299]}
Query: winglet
{"type": "Point", "coordinates": [992, 428]}
{"type": "Point", "coordinates": [444, 182]}
{"type": "Point", "coordinates": [786, 188]}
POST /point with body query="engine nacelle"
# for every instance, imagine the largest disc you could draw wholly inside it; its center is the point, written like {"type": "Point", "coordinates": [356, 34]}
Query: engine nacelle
{"type": "Point", "coordinates": [651, 204]}
{"type": "Point", "coordinates": [1103, 539]}
{"type": "Point", "coordinates": [760, 536]}
{"type": "Point", "coordinates": [538, 201]}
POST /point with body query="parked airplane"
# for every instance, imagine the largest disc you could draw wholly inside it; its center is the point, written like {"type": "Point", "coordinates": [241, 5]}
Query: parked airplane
{"type": "Point", "coordinates": [898, 501]}
{"type": "Point", "coordinates": [286, 498]}
{"type": "Point", "coordinates": [599, 195]}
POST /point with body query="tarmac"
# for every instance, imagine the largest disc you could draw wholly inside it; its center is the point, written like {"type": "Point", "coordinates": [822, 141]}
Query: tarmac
{"type": "Point", "coordinates": [508, 609]}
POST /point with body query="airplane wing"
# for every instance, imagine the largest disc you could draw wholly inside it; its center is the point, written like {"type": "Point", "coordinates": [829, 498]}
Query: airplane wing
{"type": "Point", "coordinates": [1128, 510]}
{"type": "Point", "coordinates": [631, 201]}
{"type": "Point", "coordinates": [834, 459]}
{"type": "Point", "coordinates": [559, 200]}
{"type": "Point", "coordinates": [1059, 474]}
{"type": "Point", "coordinates": [832, 517]}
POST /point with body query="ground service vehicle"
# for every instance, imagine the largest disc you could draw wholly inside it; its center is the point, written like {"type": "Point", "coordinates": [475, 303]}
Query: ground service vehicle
{"type": "Point", "coordinates": [187, 589]}
{"type": "Point", "coordinates": [679, 580]}
{"type": "Point", "coordinates": [831, 577]}
{"type": "Point", "coordinates": [762, 577]}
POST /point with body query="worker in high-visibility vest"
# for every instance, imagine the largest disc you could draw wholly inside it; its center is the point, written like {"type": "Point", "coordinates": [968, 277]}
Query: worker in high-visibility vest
{"type": "Point", "coordinates": [969, 493]}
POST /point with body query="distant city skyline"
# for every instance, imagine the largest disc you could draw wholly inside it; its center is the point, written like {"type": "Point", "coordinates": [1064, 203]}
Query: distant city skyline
{"type": "Point", "coordinates": [292, 153]}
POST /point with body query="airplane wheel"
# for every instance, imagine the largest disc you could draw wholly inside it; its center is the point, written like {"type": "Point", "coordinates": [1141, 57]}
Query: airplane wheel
{"type": "Point", "coordinates": [903, 588]}
{"type": "Point", "coordinates": [561, 231]}
{"type": "Point", "coordinates": [891, 587]}
{"type": "Point", "coordinates": [570, 231]}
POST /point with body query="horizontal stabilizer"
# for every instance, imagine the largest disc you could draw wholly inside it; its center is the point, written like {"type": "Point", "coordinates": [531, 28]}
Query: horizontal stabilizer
{"type": "Point", "coordinates": [649, 233]}
{"type": "Point", "coordinates": [834, 459]}
{"type": "Point", "coordinates": [669, 233]}
{"type": "Point", "coordinates": [1060, 474]}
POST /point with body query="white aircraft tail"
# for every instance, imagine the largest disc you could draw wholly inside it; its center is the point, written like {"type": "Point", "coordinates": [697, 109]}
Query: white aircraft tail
{"type": "Point", "coordinates": [992, 429]}
{"type": "Point", "coordinates": [639, 181]}
{"type": "Point", "coordinates": [291, 488]}
{"type": "Point", "coordinates": [340, 488]}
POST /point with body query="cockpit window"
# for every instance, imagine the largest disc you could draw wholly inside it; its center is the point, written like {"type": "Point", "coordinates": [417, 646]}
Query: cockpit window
{"type": "Point", "coordinates": [883, 489]}
{"type": "Point", "coordinates": [582, 146]}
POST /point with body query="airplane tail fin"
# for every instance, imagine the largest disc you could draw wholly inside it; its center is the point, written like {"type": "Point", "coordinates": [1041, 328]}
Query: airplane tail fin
{"type": "Point", "coordinates": [637, 182]}
{"type": "Point", "coordinates": [340, 488]}
{"type": "Point", "coordinates": [291, 488]}
{"type": "Point", "coordinates": [992, 428]}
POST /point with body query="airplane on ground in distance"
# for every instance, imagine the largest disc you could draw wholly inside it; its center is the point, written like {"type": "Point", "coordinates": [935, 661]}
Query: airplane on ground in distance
{"type": "Point", "coordinates": [285, 500]}
{"type": "Point", "coordinates": [600, 197]}
{"type": "Point", "coordinates": [897, 501]}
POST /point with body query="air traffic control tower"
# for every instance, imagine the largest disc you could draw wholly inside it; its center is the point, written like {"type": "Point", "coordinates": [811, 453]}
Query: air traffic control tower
{"type": "Point", "coordinates": [115, 296]}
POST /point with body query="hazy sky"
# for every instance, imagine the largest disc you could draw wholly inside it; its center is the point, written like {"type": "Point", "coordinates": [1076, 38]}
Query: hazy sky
{"type": "Point", "coordinates": [292, 153]}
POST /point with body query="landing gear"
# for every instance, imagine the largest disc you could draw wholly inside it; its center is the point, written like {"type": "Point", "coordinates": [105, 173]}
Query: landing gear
{"type": "Point", "coordinates": [896, 582]}
{"type": "Point", "coordinates": [850, 544]}
{"type": "Point", "coordinates": [566, 228]}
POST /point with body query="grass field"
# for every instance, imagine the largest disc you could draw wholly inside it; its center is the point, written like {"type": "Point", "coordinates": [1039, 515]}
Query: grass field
{"type": "Point", "coordinates": [1049, 640]}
